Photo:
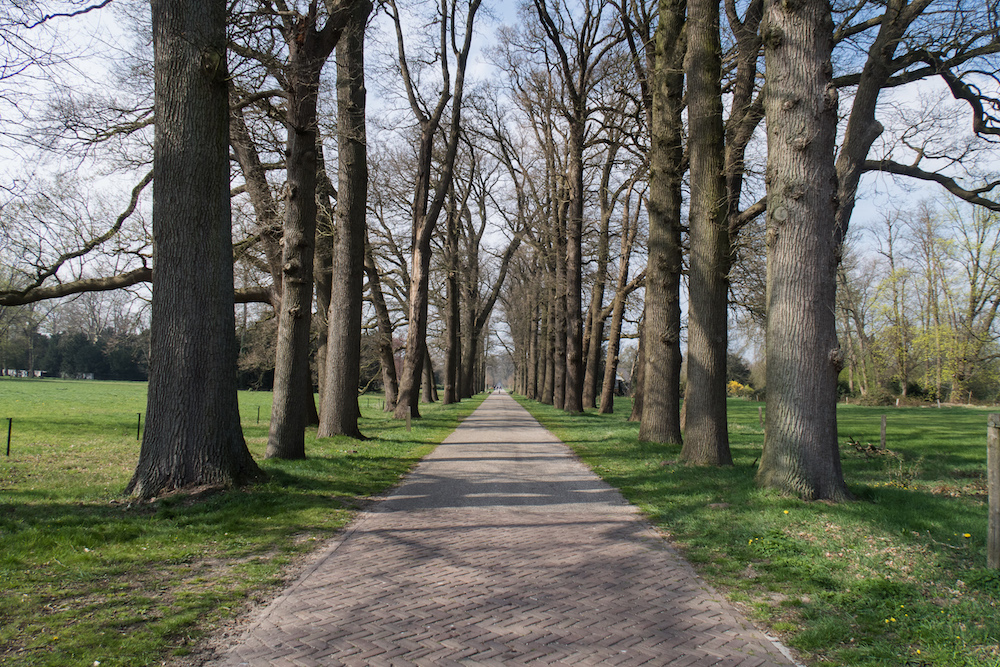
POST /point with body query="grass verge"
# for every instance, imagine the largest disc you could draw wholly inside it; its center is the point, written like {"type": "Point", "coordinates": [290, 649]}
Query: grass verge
{"type": "Point", "coordinates": [88, 576]}
{"type": "Point", "coordinates": [896, 578]}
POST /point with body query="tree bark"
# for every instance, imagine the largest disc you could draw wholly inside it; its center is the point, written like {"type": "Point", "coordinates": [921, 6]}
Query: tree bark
{"type": "Point", "coordinates": [639, 376]}
{"type": "Point", "coordinates": [308, 50]}
{"type": "Point", "coordinates": [426, 209]}
{"type": "Point", "coordinates": [453, 320]}
{"type": "Point", "coordinates": [661, 395]}
{"type": "Point", "coordinates": [428, 385]}
{"type": "Point", "coordinates": [193, 434]}
{"type": "Point", "coordinates": [706, 434]}
{"type": "Point", "coordinates": [801, 455]}
{"type": "Point", "coordinates": [622, 291]}
{"type": "Point", "coordinates": [573, 395]}
{"type": "Point", "coordinates": [387, 357]}
{"type": "Point", "coordinates": [340, 412]}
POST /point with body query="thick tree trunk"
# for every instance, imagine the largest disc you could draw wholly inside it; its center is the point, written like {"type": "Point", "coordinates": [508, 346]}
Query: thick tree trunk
{"type": "Point", "coordinates": [547, 341]}
{"type": "Point", "coordinates": [308, 49]}
{"type": "Point", "coordinates": [706, 433]}
{"type": "Point", "coordinates": [289, 417]}
{"type": "Point", "coordinates": [416, 333]}
{"type": "Point", "coordinates": [453, 319]}
{"type": "Point", "coordinates": [801, 454]}
{"type": "Point", "coordinates": [193, 434]}
{"type": "Point", "coordinates": [661, 393]}
{"type": "Point", "coordinates": [559, 360]}
{"type": "Point", "coordinates": [573, 394]}
{"type": "Point", "coordinates": [340, 412]}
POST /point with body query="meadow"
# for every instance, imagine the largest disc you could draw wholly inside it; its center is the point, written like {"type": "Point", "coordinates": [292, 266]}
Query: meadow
{"type": "Point", "coordinates": [89, 576]}
{"type": "Point", "coordinates": [897, 577]}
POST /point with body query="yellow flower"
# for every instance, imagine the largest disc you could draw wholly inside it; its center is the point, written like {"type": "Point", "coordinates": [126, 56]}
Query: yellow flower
{"type": "Point", "coordinates": [966, 535]}
{"type": "Point", "coordinates": [786, 511]}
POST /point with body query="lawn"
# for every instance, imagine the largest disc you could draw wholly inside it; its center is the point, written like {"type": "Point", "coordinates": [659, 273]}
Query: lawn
{"type": "Point", "coordinates": [897, 577]}
{"type": "Point", "coordinates": [88, 576]}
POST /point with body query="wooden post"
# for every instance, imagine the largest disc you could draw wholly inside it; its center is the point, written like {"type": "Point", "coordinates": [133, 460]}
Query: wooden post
{"type": "Point", "coordinates": [993, 486]}
{"type": "Point", "coordinates": [882, 440]}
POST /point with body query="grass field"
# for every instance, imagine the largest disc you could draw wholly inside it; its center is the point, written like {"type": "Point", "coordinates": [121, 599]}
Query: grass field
{"type": "Point", "coordinates": [89, 576]}
{"type": "Point", "coordinates": [896, 578]}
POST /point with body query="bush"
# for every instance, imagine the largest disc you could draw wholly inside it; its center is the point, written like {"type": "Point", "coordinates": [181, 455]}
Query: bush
{"type": "Point", "coordinates": [878, 396]}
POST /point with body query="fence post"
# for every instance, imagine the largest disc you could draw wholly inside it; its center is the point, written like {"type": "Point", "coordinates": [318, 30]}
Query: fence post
{"type": "Point", "coordinates": [10, 427]}
{"type": "Point", "coordinates": [993, 486]}
{"type": "Point", "coordinates": [882, 440]}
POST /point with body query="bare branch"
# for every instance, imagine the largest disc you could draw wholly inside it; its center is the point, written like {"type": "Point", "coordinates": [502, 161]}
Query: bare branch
{"type": "Point", "coordinates": [80, 12]}
{"type": "Point", "coordinates": [972, 196]}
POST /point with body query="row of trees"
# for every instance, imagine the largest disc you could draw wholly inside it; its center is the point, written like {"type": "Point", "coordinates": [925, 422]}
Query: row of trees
{"type": "Point", "coordinates": [920, 320]}
{"type": "Point", "coordinates": [611, 133]}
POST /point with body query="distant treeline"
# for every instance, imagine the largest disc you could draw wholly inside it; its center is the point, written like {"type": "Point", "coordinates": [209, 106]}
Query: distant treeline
{"type": "Point", "coordinates": [110, 356]}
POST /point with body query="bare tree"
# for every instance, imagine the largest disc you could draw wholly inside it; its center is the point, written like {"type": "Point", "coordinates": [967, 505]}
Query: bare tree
{"type": "Point", "coordinates": [193, 434]}
{"type": "Point", "coordinates": [801, 454]}
{"type": "Point", "coordinates": [339, 413]}
{"type": "Point", "coordinates": [661, 400]}
{"type": "Point", "coordinates": [427, 205]}
{"type": "Point", "coordinates": [309, 46]}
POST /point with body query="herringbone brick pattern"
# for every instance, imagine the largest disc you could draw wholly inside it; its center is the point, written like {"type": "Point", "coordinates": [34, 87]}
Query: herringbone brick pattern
{"type": "Point", "coordinates": [501, 549]}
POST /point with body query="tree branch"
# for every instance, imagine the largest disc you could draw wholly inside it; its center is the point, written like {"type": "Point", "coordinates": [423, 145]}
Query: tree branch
{"type": "Point", "coordinates": [972, 196]}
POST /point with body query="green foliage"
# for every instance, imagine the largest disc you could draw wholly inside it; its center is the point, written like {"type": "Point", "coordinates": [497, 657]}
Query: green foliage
{"type": "Point", "coordinates": [894, 578]}
{"type": "Point", "coordinates": [87, 575]}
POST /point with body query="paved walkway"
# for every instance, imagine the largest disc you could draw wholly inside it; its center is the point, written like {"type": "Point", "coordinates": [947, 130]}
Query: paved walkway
{"type": "Point", "coordinates": [501, 549]}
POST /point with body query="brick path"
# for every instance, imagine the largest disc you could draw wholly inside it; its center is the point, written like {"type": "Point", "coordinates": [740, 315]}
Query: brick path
{"type": "Point", "coordinates": [501, 549]}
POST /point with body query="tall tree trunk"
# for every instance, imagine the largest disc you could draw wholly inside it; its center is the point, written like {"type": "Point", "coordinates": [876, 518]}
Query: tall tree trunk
{"type": "Point", "coordinates": [611, 363]}
{"type": "Point", "coordinates": [639, 376]}
{"type": "Point", "coordinates": [428, 385]}
{"type": "Point", "coordinates": [595, 320]}
{"type": "Point", "coordinates": [426, 209]}
{"type": "Point", "coordinates": [323, 265]}
{"type": "Point", "coordinates": [559, 360]}
{"type": "Point", "coordinates": [706, 433]}
{"type": "Point", "coordinates": [386, 355]}
{"type": "Point", "coordinates": [470, 336]}
{"type": "Point", "coordinates": [630, 228]}
{"type": "Point", "coordinates": [340, 412]}
{"type": "Point", "coordinates": [573, 395]}
{"type": "Point", "coordinates": [661, 393]}
{"type": "Point", "coordinates": [801, 454]}
{"type": "Point", "coordinates": [548, 348]}
{"type": "Point", "coordinates": [531, 380]}
{"type": "Point", "coordinates": [308, 50]}
{"type": "Point", "coordinates": [453, 319]}
{"type": "Point", "coordinates": [193, 434]}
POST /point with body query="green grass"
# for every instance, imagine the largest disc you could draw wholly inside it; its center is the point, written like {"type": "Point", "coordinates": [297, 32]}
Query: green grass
{"type": "Point", "coordinates": [88, 575]}
{"type": "Point", "coordinates": [897, 577]}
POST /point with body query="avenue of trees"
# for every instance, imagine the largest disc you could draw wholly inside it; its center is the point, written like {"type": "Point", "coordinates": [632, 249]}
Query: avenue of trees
{"type": "Point", "coordinates": [438, 181]}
